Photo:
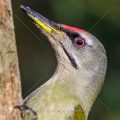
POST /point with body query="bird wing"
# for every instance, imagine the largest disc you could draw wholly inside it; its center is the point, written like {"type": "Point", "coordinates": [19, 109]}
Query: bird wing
{"type": "Point", "coordinates": [54, 103]}
{"type": "Point", "coordinates": [78, 114]}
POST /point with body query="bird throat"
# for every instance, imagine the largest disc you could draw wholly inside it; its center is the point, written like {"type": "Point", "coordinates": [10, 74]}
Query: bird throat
{"type": "Point", "coordinates": [72, 60]}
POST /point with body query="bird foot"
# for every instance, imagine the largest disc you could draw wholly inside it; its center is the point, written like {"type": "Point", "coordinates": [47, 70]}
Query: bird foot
{"type": "Point", "coordinates": [27, 112]}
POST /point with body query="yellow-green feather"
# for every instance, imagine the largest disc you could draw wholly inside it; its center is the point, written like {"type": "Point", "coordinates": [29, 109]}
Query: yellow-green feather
{"type": "Point", "coordinates": [78, 114]}
{"type": "Point", "coordinates": [66, 104]}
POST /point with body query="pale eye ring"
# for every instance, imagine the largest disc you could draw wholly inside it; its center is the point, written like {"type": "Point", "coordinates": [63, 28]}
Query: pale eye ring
{"type": "Point", "coordinates": [79, 42]}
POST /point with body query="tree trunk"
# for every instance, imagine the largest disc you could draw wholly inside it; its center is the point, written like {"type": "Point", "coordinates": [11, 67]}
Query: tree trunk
{"type": "Point", "coordinates": [10, 86]}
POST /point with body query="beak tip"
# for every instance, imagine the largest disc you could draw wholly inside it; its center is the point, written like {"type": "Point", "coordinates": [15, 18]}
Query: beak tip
{"type": "Point", "coordinates": [24, 8]}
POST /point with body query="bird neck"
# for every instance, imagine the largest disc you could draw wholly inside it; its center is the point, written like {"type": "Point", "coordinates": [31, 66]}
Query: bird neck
{"type": "Point", "coordinates": [83, 84]}
{"type": "Point", "coordinates": [78, 83]}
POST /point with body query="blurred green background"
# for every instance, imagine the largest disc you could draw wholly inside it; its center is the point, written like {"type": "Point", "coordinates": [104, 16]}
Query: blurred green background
{"type": "Point", "coordinates": [37, 59]}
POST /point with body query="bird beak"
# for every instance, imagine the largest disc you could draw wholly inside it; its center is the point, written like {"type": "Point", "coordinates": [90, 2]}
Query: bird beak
{"type": "Point", "coordinates": [41, 21]}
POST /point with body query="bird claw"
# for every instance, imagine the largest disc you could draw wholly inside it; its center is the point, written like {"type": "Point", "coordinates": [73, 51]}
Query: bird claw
{"type": "Point", "coordinates": [27, 112]}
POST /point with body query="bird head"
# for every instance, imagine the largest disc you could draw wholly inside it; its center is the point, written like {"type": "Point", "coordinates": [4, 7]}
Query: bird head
{"type": "Point", "coordinates": [75, 46]}
{"type": "Point", "coordinates": [78, 52]}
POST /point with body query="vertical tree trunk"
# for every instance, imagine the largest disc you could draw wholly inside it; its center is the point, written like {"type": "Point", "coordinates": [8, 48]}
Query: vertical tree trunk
{"type": "Point", "coordinates": [10, 87]}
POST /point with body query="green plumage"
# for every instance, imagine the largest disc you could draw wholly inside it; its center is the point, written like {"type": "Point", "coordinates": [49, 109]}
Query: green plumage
{"type": "Point", "coordinates": [54, 102]}
{"type": "Point", "coordinates": [78, 114]}
{"type": "Point", "coordinates": [70, 93]}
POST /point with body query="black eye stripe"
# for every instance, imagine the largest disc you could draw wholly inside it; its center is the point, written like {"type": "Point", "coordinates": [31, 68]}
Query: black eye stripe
{"type": "Point", "coordinates": [72, 35]}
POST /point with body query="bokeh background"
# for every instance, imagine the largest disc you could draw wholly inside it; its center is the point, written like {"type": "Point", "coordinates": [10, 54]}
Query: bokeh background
{"type": "Point", "coordinates": [37, 59]}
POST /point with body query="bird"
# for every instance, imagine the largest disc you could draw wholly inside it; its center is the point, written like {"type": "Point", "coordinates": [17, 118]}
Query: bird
{"type": "Point", "coordinates": [79, 75]}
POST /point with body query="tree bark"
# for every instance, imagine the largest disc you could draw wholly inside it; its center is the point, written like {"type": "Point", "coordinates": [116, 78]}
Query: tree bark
{"type": "Point", "coordinates": [10, 86]}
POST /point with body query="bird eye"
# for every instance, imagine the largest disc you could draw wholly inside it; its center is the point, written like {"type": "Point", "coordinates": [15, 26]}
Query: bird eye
{"type": "Point", "coordinates": [79, 42]}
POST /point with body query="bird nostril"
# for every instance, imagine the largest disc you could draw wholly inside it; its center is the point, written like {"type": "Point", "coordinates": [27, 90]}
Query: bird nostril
{"type": "Point", "coordinates": [53, 24]}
